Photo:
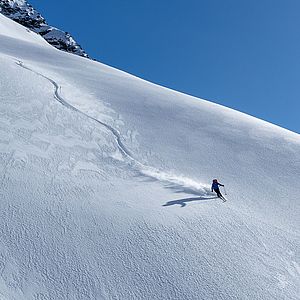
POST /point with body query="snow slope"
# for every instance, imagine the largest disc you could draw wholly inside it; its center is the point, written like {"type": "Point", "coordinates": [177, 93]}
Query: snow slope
{"type": "Point", "coordinates": [105, 187]}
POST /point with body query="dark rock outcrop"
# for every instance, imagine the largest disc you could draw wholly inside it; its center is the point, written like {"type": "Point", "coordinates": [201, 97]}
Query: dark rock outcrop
{"type": "Point", "coordinates": [22, 12]}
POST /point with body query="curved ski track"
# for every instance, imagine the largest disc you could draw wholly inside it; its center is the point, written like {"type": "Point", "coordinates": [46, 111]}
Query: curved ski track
{"type": "Point", "coordinates": [185, 184]}
{"type": "Point", "coordinates": [61, 100]}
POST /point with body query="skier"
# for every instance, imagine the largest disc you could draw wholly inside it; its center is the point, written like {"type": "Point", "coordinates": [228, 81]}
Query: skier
{"type": "Point", "coordinates": [215, 187]}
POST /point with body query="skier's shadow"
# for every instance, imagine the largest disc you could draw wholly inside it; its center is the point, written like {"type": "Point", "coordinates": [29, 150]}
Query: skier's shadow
{"type": "Point", "coordinates": [183, 202]}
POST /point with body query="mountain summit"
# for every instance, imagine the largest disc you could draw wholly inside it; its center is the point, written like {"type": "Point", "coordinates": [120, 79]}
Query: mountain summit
{"type": "Point", "coordinates": [22, 12]}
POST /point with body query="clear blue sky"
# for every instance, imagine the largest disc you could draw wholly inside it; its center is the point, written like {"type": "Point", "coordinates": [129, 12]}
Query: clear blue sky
{"type": "Point", "coordinates": [243, 54]}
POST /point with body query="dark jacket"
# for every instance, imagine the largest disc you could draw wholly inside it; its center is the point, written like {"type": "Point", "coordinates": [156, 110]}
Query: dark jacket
{"type": "Point", "coordinates": [215, 186]}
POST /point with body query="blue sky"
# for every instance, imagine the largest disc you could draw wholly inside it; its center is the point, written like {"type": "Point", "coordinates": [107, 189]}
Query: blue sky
{"type": "Point", "coordinates": [243, 54]}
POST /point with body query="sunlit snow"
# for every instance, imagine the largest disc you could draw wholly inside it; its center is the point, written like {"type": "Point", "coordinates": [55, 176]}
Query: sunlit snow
{"type": "Point", "coordinates": [105, 187]}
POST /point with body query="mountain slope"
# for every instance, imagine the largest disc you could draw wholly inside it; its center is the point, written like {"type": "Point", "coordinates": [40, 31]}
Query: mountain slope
{"type": "Point", "coordinates": [105, 187]}
{"type": "Point", "coordinates": [23, 13]}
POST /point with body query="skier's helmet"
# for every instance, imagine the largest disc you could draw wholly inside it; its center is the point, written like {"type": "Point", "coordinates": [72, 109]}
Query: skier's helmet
{"type": "Point", "coordinates": [215, 180]}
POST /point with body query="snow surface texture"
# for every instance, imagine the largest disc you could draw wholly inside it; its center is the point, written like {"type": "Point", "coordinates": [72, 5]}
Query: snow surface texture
{"type": "Point", "coordinates": [105, 187]}
{"type": "Point", "coordinates": [23, 13]}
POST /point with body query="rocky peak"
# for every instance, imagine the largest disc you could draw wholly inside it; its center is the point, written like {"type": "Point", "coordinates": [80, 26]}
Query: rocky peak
{"type": "Point", "coordinates": [22, 12]}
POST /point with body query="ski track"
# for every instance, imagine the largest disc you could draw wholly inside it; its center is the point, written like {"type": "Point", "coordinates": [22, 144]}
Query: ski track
{"type": "Point", "coordinates": [180, 183]}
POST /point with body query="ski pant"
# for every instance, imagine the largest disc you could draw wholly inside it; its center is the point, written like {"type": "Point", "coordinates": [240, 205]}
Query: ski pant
{"type": "Point", "coordinates": [218, 193]}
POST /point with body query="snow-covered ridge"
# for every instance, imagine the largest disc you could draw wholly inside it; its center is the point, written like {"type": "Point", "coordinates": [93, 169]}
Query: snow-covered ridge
{"type": "Point", "coordinates": [105, 187]}
{"type": "Point", "coordinates": [22, 12]}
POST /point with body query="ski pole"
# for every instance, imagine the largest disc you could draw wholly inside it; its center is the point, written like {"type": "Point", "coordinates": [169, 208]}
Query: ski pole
{"type": "Point", "coordinates": [224, 190]}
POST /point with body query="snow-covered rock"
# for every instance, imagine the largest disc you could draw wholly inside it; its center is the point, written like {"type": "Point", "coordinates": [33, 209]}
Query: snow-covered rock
{"type": "Point", "coordinates": [22, 12]}
{"type": "Point", "coordinates": [105, 187]}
